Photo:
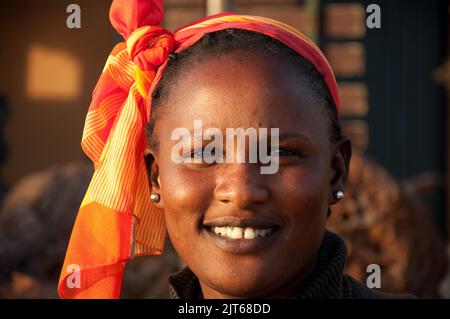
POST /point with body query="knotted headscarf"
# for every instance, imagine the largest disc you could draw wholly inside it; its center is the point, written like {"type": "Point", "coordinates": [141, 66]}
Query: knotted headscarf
{"type": "Point", "coordinates": [116, 220]}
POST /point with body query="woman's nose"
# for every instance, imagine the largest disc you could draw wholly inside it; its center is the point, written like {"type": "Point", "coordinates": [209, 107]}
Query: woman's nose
{"type": "Point", "coordinates": [242, 185]}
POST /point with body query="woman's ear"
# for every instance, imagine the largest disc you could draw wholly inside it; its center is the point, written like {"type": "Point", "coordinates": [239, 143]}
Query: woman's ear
{"type": "Point", "coordinates": [340, 165]}
{"type": "Point", "coordinates": [153, 174]}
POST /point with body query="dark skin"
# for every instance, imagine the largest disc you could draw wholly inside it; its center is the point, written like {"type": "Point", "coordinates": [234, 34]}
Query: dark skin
{"type": "Point", "coordinates": [239, 90]}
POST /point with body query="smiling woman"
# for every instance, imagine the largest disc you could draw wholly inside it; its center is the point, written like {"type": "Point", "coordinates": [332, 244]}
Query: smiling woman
{"type": "Point", "coordinates": [242, 234]}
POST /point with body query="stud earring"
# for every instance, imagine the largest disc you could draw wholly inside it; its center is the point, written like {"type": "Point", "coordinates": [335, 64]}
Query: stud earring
{"type": "Point", "coordinates": [155, 198]}
{"type": "Point", "coordinates": [339, 194]}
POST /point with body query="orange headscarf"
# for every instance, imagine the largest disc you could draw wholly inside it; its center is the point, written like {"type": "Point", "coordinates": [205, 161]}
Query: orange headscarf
{"type": "Point", "coordinates": [116, 220]}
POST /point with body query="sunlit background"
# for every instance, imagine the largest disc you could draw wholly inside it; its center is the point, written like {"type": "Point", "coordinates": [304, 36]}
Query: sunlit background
{"type": "Point", "coordinates": [394, 84]}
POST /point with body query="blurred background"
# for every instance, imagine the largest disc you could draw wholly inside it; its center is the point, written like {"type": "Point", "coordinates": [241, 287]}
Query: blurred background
{"type": "Point", "coordinates": [394, 85]}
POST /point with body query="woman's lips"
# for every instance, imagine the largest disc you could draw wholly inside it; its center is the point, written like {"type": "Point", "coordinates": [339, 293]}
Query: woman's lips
{"type": "Point", "coordinates": [241, 235]}
{"type": "Point", "coordinates": [241, 221]}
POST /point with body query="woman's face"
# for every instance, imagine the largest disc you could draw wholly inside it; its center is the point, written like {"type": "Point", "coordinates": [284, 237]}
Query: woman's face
{"type": "Point", "coordinates": [285, 211]}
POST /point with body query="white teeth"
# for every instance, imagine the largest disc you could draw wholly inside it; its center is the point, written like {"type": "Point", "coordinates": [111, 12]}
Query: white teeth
{"type": "Point", "coordinates": [249, 233]}
{"type": "Point", "coordinates": [236, 233]}
{"type": "Point", "coordinates": [239, 232]}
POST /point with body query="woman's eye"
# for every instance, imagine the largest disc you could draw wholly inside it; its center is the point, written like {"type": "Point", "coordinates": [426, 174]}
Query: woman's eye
{"type": "Point", "coordinates": [201, 154]}
{"type": "Point", "coordinates": [282, 152]}
{"type": "Point", "coordinates": [194, 154]}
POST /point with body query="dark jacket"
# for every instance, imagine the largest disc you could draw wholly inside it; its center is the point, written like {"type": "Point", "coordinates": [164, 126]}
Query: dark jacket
{"type": "Point", "coordinates": [326, 281]}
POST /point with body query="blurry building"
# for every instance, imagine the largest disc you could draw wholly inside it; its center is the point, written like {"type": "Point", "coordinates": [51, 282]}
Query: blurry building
{"type": "Point", "coordinates": [48, 74]}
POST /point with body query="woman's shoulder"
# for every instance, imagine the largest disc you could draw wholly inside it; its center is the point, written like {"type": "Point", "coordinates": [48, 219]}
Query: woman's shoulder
{"type": "Point", "coordinates": [356, 290]}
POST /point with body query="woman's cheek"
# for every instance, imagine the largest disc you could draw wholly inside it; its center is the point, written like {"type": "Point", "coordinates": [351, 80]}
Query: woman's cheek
{"type": "Point", "coordinates": [185, 194]}
{"type": "Point", "coordinates": [183, 188]}
{"type": "Point", "coordinates": [302, 193]}
{"type": "Point", "coordinates": [306, 180]}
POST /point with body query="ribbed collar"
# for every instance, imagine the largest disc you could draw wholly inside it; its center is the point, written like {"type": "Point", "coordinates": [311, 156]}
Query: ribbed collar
{"type": "Point", "coordinates": [324, 282]}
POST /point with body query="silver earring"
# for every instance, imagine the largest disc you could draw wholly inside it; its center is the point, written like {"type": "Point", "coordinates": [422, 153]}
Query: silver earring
{"type": "Point", "coordinates": [155, 198]}
{"type": "Point", "coordinates": [338, 194]}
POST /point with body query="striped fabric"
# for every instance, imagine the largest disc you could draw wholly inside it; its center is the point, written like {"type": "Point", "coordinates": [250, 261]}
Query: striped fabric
{"type": "Point", "coordinates": [116, 220]}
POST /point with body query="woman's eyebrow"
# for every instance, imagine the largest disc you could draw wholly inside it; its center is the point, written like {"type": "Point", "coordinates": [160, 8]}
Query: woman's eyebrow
{"type": "Point", "coordinates": [286, 136]}
{"type": "Point", "coordinates": [283, 136]}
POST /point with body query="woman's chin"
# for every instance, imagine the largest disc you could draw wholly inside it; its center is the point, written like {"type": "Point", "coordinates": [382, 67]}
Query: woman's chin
{"type": "Point", "coordinates": [242, 268]}
{"type": "Point", "coordinates": [242, 282]}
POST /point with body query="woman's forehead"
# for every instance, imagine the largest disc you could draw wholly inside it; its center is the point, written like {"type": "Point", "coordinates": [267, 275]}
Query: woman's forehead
{"type": "Point", "coordinates": [246, 91]}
